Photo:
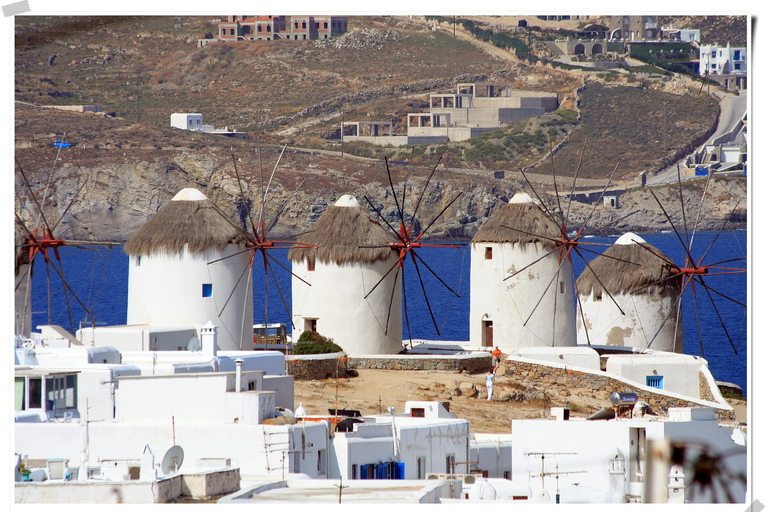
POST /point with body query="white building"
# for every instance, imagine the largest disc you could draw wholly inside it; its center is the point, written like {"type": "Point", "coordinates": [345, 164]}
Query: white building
{"type": "Point", "coordinates": [187, 267]}
{"type": "Point", "coordinates": [334, 288]}
{"type": "Point", "coordinates": [717, 60]}
{"type": "Point", "coordinates": [187, 121]}
{"type": "Point", "coordinates": [628, 297]}
{"type": "Point", "coordinates": [424, 439]}
{"type": "Point", "coordinates": [594, 461]}
{"type": "Point", "coordinates": [194, 122]}
{"type": "Point", "coordinates": [520, 293]}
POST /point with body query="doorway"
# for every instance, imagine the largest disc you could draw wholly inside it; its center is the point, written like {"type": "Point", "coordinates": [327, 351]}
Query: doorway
{"type": "Point", "coordinates": [487, 333]}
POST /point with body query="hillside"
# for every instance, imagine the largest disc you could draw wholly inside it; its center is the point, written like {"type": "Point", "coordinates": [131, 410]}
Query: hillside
{"type": "Point", "coordinates": [295, 93]}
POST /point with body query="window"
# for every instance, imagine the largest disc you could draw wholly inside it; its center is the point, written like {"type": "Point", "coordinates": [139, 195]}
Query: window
{"type": "Point", "coordinates": [207, 289]}
{"type": "Point", "coordinates": [421, 468]}
{"type": "Point", "coordinates": [36, 393]}
{"type": "Point", "coordinates": [18, 394]}
{"type": "Point", "coordinates": [354, 472]}
{"type": "Point", "coordinates": [736, 65]}
{"type": "Point", "coordinates": [60, 393]}
{"type": "Point", "coordinates": [303, 24]}
{"type": "Point", "coordinates": [231, 31]}
{"type": "Point", "coordinates": [449, 463]}
{"type": "Point", "coordinates": [138, 261]}
{"type": "Point", "coordinates": [562, 286]}
{"type": "Point", "coordinates": [489, 253]}
{"type": "Point", "coordinates": [325, 25]}
{"type": "Point", "coordinates": [417, 412]}
{"type": "Point", "coordinates": [311, 265]}
{"type": "Point", "coordinates": [321, 462]}
{"type": "Point", "coordinates": [654, 381]}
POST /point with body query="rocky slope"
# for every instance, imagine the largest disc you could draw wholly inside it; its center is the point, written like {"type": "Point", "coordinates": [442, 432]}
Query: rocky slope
{"type": "Point", "coordinates": [127, 172]}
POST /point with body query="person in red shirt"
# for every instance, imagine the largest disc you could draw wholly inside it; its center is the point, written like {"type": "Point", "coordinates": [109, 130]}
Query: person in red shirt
{"type": "Point", "coordinates": [496, 358]}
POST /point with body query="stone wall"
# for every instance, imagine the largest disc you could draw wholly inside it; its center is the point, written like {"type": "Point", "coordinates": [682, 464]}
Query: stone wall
{"type": "Point", "coordinates": [558, 382]}
{"type": "Point", "coordinates": [327, 366]}
{"type": "Point", "coordinates": [317, 366]}
{"type": "Point", "coordinates": [471, 363]}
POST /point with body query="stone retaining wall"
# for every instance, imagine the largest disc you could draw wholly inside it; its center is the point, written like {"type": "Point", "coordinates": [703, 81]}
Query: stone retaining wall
{"type": "Point", "coordinates": [327, 366]}
{"type": "Point", "coordinates": [557, 383]}
{"type": "Point", "coordinates": [471, 363]}
{"type": "Point", "coordinates": [317, 366]}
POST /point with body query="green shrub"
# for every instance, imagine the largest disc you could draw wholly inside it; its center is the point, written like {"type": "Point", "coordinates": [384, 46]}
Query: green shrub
{"type": "Point", "coordinates": [311, 342]}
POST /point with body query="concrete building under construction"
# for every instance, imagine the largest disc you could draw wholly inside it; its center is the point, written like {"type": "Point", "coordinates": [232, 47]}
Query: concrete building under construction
{"type": "Point", "coordinates": [475, 108]}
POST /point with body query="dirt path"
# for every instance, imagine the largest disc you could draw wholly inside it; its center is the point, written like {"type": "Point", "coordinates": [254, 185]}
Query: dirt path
{"type": "Point", "coordinates": [488, 47]}
{"type": "Point", "coordinates": [374, 391]}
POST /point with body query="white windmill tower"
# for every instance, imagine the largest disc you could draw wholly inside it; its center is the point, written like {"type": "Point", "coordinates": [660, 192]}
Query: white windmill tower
{"type": "Point", "coordinates": [187, 268]}
{"type": "Point", "coordinates": [636, 304]}
{"type": "Point", "coordinates": [335, 288]}
{"type": "Point", "coordinates": [521, 290]}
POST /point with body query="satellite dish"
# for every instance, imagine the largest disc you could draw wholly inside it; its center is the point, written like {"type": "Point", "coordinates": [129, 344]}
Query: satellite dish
{"type": "Point", "coordinates": [172, 460]}
{"type": "Point", "coordinates": [193, 345]}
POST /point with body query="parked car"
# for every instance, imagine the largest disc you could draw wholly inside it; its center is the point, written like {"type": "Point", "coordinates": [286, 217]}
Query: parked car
{"type": "Point", "coordinates": [61, 144]}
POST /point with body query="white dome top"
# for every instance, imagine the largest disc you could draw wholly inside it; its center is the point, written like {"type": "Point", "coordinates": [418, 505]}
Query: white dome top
{"type": "Point", "coordinates": [189, 194]}
{"type": "Point", "coordinates": [521, 197]}
{"type": "Point", "coordinates": [300, 411]}
{"type": "Point", "coordinates": [629, 239]}
{"type": "Point", "coordinates": [347, 201]}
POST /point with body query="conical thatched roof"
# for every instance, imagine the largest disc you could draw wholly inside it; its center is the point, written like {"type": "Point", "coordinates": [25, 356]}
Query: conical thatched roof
{"type": "Point", "coordinates": [519, 221]}
{"type": "Point", "coordinates": [339, 234]}
{"type": "Point", "coordinates": [190, 219]}
{"type": "Point", "coordinates": [641, 266]}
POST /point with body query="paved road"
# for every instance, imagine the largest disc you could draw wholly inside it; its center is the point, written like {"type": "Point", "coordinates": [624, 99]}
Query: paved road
{"type": "Point", "coordinates": [732, 109]}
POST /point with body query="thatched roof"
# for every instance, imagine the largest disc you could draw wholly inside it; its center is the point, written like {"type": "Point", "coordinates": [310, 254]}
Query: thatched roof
{"type": "Point", "coordinates": [339, 234]}
{"type": "Point", "coordinates": [641, 265]}
{"type": "Point", "coordinates": [190, 219]}
{"type": "Point", "coordinates": [519, 221]}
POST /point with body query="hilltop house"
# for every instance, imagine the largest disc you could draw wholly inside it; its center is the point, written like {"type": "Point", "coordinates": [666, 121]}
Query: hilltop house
{"type": "Point", "coordinates": [272, 28]}
{"type": "Point", "coordinates": [724, 64]}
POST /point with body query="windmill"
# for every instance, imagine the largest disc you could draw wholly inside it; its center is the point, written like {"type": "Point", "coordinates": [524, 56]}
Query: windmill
{"type": "Point", "coordinates": [358, 292]}
{"type": "Point", "coordinates": [43, 240]}
{"type": "Point", "coordinates": [409, 242]}
{"type": "Point", "coordinates": [261, 241]}
{"type": "Point", "coordinates": [522, 272]}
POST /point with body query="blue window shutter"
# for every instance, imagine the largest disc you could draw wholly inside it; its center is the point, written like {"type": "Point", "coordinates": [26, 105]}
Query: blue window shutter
{"type": "Point", "coordinates": [207, 290]}
{"type": "Point", "coordinates": [654, 381]}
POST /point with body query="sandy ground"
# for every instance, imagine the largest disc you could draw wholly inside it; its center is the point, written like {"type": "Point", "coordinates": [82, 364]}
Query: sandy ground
{"type": "Point", "coordinates": [374, 391]}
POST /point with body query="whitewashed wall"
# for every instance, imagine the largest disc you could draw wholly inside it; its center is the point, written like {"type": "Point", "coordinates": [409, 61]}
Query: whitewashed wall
{"type": "Point", "coordinates": [508, 304]}
{"type": "Point", "coordinates": [336, 298]}
{"type": "Point", "coordinates": [680, 372]}
{"type": "Point", "coordinates": [258, 450]}
{"type": "Point", "coordinates": [167, 290]}
{"type": "Point", "coordinates": [650, 320]}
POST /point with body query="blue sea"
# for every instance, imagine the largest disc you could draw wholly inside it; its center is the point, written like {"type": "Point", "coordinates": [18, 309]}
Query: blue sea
{"type": "Point", "coordinates": [100, 279]}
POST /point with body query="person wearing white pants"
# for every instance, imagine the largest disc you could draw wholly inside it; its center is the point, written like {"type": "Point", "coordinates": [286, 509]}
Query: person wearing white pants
{"type": "Point", "coordinates": [489, 378]}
